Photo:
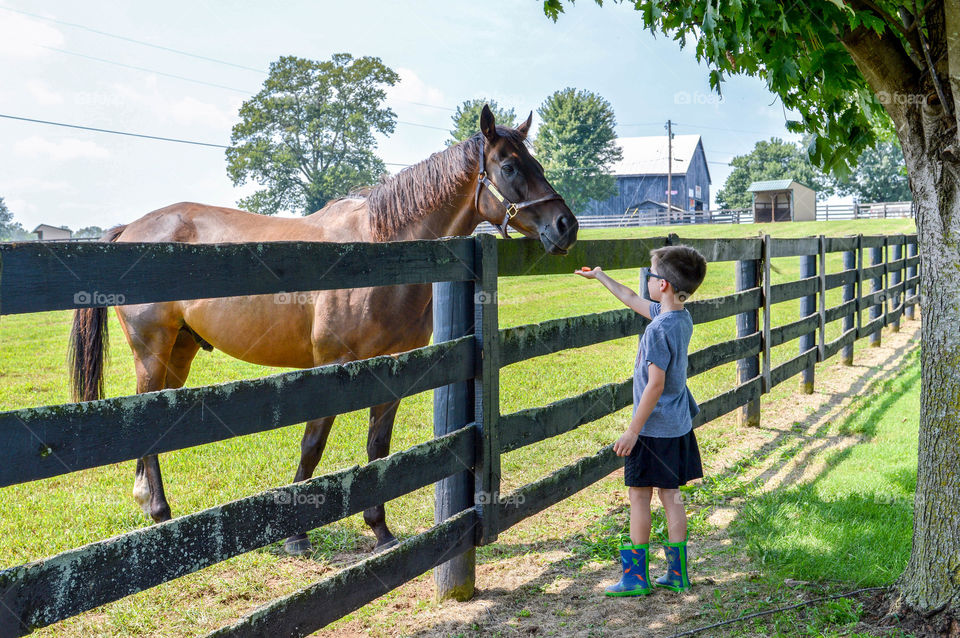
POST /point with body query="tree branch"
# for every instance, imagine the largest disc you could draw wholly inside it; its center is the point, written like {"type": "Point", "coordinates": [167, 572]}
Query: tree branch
{"type": "Point", "coordinates": [892, 21]}
{"type": "Point", "coordinates": [932, 70]}
{"type": "Point", "coordinates": [884, 64]}
{"type": "Point", "coordinates": [951, 12]}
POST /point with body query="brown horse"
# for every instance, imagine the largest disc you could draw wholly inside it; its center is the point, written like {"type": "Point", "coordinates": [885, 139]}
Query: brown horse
{"type": "Point", "coordinates": [450, 193]}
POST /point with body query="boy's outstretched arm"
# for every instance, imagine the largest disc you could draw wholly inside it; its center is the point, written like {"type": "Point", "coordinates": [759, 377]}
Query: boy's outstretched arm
{"type": "Point", "coordinates": [621, 292]}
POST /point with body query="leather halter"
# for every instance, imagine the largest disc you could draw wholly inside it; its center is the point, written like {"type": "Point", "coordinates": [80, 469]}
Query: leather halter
{"type": "Point", "coordinates": [512, 208]}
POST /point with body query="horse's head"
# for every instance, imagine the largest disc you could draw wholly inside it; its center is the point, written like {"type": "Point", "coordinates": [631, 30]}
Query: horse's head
{"type": "Point", "coordinates": [512, 189]}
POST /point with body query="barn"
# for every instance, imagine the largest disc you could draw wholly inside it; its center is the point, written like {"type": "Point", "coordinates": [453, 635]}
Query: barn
{"type": "Point", "coordinates": [642, 177]}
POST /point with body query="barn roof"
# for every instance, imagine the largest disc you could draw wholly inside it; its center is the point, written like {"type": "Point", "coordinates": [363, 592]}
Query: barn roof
{"type": "Point", "coordinates": [648, 155]}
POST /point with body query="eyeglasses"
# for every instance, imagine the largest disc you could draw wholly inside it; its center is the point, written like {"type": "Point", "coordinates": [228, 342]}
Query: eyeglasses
{"type": "Point", "coordinates": [650, 274]}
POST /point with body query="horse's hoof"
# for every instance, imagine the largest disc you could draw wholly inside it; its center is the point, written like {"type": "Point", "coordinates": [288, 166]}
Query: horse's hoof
{"type": "Point", "coordinates": [387, 544]}
{"type": "Point", "coordinates": [298, 546]}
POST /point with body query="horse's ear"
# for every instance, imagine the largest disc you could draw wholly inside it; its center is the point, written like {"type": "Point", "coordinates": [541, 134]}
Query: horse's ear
{"type": "Point", "coordinates": [488, 125]}
{"type": "Point", "coordinates": [524, 128]}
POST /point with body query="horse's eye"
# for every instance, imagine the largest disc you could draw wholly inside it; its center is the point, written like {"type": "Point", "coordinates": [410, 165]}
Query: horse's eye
{"type": "Point", "coordinates": [507, 169]}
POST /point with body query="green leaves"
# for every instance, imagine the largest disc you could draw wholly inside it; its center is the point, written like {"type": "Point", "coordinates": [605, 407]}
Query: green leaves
{"type": "Point", "coordinates": [466, 121]}
{"type": "Point", "coordinates": [308, 135]}
{"type": "Point", "coordinates": [576, 143]}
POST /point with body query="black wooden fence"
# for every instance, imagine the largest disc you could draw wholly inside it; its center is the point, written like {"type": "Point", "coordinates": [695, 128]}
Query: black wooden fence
{"type": "Point", "coordinates": [464, 459]}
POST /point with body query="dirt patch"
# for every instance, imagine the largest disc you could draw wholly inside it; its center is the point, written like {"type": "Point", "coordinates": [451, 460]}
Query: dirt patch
{"type": "Point", "coordinates": [532, 583]}
{"type": "Point", "coordinates": [883, 611]}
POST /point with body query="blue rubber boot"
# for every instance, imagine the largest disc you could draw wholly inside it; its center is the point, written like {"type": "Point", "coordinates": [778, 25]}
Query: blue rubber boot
{"type": "Point", "coordinates": [636, 575]}
{"type": "Point", "coordinates": [676, 577]}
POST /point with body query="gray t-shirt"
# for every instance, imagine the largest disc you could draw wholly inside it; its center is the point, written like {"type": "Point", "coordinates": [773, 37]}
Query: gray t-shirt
{"type": "Point", "coordinates": [665, 343]}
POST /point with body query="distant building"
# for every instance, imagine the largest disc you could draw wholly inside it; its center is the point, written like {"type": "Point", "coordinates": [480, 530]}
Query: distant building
{"type": "Point", "coordinates": [45, 232]}
{"type": "Point", "coordinates": [642, 177]}
{"type": "Point", "coordinates": [783, 200]}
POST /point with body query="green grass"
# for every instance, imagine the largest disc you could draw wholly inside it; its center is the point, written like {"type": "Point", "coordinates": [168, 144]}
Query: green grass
{"type": "Point", "coordinates": [46, 517]}
{"type": "Point", "coordinates": [853, 522]}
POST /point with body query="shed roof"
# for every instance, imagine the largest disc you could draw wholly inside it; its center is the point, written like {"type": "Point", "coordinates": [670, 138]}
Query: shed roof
{"type": "Point", "coordinates": [774, 185]}
{"type": "Point", "coordinates": [648, 155]}
{"type": "Point", "coordinates": [49, 227]}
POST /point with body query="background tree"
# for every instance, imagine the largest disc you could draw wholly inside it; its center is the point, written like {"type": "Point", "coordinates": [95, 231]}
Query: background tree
{"type": "Point", "coordinates": [848, 67]}
{"type": "Point", "coordinates": [466, 121]}
{"type": "Point", "coordinates": [880, 174]}
{"type": "Point", "coordinates": [89, 231]}
{"type": "Point", "coordinates": [775, 159]}
{"type": "Point", "coordinates": [10, 229]}
{"type": "Point", "coordinates": [576, 144]}
{"type": "Point", "coordinates": [308, 135]}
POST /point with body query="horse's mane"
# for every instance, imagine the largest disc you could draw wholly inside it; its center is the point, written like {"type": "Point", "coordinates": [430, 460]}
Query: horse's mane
{"type": "Point", "coordinates": [418, 189]}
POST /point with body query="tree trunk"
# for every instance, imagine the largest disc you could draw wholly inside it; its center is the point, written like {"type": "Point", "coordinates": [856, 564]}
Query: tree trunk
{"type": "Point", "coordinates": [931, 581]}
{"type": "Point", "coordinates": [927, 130]}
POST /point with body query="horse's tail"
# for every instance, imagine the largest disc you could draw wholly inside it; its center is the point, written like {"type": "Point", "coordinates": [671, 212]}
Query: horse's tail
{"type": "Point", "coordinates": [88, 345]}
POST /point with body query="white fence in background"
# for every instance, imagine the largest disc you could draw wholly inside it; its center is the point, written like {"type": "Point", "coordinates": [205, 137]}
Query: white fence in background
{"type": "Point", "coordinates": [825, 212]}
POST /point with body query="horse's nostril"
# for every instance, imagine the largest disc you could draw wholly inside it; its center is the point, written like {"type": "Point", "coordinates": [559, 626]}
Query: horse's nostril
{"type": "Point", "coordinates": [561, 225]}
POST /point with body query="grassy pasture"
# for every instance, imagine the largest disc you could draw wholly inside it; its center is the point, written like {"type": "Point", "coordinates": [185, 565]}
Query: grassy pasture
{"type": "Point", "coordinates": [49, 516]}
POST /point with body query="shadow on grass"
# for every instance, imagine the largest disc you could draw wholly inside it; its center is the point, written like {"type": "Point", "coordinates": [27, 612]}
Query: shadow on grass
{"type": "Point", "coordinates": [862, 537]}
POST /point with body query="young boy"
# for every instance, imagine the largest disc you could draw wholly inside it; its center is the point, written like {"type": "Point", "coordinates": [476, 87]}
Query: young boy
{"type": "Point", "coordinates": [659, 444]}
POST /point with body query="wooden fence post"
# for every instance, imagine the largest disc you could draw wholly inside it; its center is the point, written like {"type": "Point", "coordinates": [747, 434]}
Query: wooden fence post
{"type": "Point", "coordinates": [911, 273]}
{"type": "Point", "coordinates": [822, 287]}
{"type": "Point", "coordinates": [766, 313]}
{"type": "Point", "coordinates": [876, 257]}
{"type": "Point", "coordinates": [487, 389]}
{"type": "Point", "coordinates": [849, 293]}
{"type": "Point", "coordinates": [453, 405]}
{"type": "Point", "coordinates": [748, 276]}
{"type": "Point", "coordinates": [808, 268]}
{"type": "Point", "coordinates": [895, 278]}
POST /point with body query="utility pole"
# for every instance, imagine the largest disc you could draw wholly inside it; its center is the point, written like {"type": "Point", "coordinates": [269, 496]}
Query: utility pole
{"type": "Point", "coordinates": [669, 127]}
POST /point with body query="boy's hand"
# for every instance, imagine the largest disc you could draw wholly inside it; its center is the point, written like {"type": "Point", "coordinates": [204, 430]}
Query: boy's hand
{"type": "Point", "coordinates": [625, 443]}
{"type": "Point", "coordinates": [588, 272]}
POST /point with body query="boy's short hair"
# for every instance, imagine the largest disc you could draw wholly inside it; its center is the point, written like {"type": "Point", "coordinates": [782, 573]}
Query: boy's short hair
{"type": "Point", "coordinates": [682, 266]}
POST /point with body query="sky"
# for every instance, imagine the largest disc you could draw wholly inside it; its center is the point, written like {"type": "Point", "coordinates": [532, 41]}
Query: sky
{"type": "Point", "coordinates": [110, 65]}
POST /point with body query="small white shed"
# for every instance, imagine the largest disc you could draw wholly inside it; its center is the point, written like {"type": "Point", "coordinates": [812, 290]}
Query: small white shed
{"type": "Point", "coordinates": [783, 200]}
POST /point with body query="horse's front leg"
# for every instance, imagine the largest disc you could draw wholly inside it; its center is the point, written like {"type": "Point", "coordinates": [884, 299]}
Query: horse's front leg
{"type": "Point", "coordinates": [378, 446]}
{"type": "Point", "coordinates": [311, 449]}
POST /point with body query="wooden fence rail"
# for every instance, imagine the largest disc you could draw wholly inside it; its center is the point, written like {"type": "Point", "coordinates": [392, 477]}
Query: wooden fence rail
{"type": "Point", "coordinates": [464, 367]}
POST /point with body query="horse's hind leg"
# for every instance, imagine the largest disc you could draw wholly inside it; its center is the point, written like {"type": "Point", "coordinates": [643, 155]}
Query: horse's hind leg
{"type": "Point", "coordinates": [378, 446]}
{"type": "Point", "coordinates": [172, 371]}
{"type": "Point", "coordinates": [311, 449]}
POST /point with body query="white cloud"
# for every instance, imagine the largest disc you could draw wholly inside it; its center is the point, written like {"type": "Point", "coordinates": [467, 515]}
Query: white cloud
{"type": "Point", "coordinates": [43, 94]}
{"type": "Point", "coordinates": [61, 150]}
{"type": "Point", "coordinates": [22, 37]}
{"type": "Point", "coordinates": [411, 88]}
{"type": "Point", "coordinates": [190, 110]}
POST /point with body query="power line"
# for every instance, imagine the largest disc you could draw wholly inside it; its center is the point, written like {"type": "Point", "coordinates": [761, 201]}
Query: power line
{"type": "Point", "coordinates": [134, 41]}
{"type": "Point", "coordinates": [112, 132]}
{"type": "Point", "coordinates": [722, 128]}
{"type": "Point", "coordinates": [140, 68]}
{"type": "Point", "coordinates": [193, 142]}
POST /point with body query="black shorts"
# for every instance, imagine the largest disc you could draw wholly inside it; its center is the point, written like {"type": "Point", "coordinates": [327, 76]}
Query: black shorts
{"type": "Point", "coordinates": [663, 462]}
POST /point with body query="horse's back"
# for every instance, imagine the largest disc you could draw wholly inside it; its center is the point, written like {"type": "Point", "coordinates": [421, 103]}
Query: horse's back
{"type": "Point", "coordinates": [190, 222]}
